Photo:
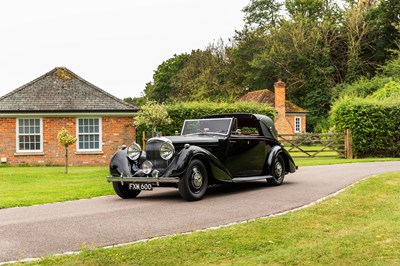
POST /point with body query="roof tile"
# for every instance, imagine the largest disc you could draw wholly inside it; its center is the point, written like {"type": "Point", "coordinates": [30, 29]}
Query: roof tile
{"type": "Point", "coordinates": [268, 97]}
{"type": "Point", "coordinates": [62, 90]}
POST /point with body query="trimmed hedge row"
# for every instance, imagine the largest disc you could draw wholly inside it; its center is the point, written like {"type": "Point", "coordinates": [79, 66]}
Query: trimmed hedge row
{"type": "Point", "coordinates": [375, 125]}
{"type": "Point", "coordinates": [191, 110]}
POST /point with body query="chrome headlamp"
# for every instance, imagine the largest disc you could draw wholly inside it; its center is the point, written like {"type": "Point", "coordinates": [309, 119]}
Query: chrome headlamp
{"type": "Point", "coordinates": [134, 151]}
{"type": "Point", "coordinates": [147, 166]}
{"type": "Point", "coordinates": [167, 150]}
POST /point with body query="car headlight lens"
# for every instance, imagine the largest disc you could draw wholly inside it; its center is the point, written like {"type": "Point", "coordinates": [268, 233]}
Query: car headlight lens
{"type": "Point", "coordinates": [147, 166]}
{"type": "Point", "coordinates": [134, 151]}
{"type": "Point", "coordinates": [167, 150]}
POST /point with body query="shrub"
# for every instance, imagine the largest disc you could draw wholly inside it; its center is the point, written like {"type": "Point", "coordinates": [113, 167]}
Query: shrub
{"type": "Point", "coordinates": [374, 123]}
{"type": "Point", "coordinates": [361, 88]}
{"type": "Point", "coordinates": [191, 110]}
{"type": "Point", "coordinates": [390, 90]}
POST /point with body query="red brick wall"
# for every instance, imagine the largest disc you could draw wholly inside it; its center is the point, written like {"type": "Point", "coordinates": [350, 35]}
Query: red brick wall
{"type": "Point", "coordinates": [116, 131]}
{"type": "Point", "coordinates": [7, 137]}
{"type": "Point", "coordinates": [290, 118]}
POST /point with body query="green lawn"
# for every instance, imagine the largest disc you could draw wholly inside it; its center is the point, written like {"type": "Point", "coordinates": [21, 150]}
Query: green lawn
{"type": "Point", "coordinates": [24, 186]}
{"type": "Point", "coordinates": [360, 226]}
{"type": "Point", "coordinates": [325, 161]}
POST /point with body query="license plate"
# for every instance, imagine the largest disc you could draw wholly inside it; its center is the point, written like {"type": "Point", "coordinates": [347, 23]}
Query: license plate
{"type": "Point", "coordinates": [140, 186]}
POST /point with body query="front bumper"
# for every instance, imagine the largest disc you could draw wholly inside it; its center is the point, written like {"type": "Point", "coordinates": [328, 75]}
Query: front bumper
{"type": "Point", "coordinates": [154, 180]}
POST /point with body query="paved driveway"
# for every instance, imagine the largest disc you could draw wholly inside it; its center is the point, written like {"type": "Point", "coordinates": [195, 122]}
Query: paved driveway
{"type": "Point", "coordinates": [41, 230]}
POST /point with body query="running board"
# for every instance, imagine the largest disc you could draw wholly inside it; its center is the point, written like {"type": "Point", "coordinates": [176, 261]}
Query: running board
{"type": "Point", "coordinates": [249, 178]}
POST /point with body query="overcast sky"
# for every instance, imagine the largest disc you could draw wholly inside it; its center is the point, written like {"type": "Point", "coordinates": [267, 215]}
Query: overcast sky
{"type": "Point", "coordinates": [114, 44]}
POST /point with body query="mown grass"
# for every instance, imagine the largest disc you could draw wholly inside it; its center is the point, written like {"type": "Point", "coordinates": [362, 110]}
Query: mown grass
{"type": "Point", "coordinates": [357, 227]}
{"type": "Point", "coordinates": [327, 161]}
{"type": "Point", "coordinates": [24, 186]}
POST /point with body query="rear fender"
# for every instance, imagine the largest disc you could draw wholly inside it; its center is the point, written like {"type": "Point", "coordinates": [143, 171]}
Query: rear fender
{"type": "Point", "coordinates": [276, 151]}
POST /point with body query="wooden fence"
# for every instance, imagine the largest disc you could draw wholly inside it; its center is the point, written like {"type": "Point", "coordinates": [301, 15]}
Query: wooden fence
{"type": "Point", "coordinates": [311, 145]}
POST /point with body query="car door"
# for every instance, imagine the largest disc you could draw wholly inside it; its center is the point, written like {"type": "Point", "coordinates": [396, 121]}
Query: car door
{"type": "Point", "coordinates": [246, 155]}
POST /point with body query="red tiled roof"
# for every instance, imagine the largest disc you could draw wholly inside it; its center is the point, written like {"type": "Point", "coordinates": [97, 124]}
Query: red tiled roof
{"type": "Point", "coordinates": [268, 97]}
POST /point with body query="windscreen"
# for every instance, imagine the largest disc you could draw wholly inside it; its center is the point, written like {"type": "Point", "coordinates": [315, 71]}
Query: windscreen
{"type": "Point", "coordinates": [220, 126]}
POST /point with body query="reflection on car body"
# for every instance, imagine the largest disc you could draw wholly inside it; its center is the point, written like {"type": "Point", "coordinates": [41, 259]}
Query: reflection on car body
{"type": "Point", "coordinates": [227, 148]}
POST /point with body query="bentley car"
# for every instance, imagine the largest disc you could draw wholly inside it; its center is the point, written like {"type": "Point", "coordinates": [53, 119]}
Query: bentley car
{"type": "Point", "coordinates": [227, 148]}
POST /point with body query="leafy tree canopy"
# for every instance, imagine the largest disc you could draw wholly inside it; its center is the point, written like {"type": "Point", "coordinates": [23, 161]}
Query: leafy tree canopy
{"type": "Point", "coordinates": [316, 46]}
{"type": "Point", "coordinates": [152, 115]}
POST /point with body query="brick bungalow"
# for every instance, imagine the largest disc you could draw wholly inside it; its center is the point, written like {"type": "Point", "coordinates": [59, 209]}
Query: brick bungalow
{"type": "Point", "coordinates": [32, 115]}
{"type": "Point", "coordinates": [290, 118]}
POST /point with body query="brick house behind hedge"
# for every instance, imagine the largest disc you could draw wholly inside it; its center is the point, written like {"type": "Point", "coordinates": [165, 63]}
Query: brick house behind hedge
{"type": "Point", "coordinates": [290, 118]}
{"type": "Point", "coordinates": [32, 115]}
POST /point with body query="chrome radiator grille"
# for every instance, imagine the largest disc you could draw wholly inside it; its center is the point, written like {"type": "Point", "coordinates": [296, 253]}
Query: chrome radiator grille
{"type": "Point", "coordinates": [153, 155]}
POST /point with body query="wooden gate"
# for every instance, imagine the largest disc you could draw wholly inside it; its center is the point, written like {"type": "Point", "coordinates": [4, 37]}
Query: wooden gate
{"type": "Point", "coordinates": [311, 145]}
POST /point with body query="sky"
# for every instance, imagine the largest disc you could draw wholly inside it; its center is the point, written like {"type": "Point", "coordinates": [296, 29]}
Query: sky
{"type": "Point", "coordinates": [115, 45]}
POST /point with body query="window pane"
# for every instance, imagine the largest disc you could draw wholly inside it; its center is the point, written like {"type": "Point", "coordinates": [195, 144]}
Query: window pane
{"type": "Point", "coordinates": [88, 133]}
{"type": "Point", "coordinates": [29, 134]}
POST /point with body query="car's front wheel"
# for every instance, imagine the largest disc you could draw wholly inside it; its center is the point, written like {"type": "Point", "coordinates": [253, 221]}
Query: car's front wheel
{"type": "Point", "coordinates": [193, 183]}
{"type": "Point", "coordinates": [123, 190]}
{"type": "Point", "coordinates": [277, 171]}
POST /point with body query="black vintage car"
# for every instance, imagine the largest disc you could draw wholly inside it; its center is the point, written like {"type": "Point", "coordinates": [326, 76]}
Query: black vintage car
{"type": "Point", "coordinates": [228, 148]}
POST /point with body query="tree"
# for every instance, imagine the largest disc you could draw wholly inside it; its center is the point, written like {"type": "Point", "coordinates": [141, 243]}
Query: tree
{"type": "Point", "coordinates": [205, 75]}
{"type": "Point", "coordinates": [136, 101]}
{"type": "Point", "coordinates": [65, 140]}
{"type": "Point", "coordinates": [260, 13]}
{"type": "Point", "coordinates": [152, 115]}
{"type": "Point", "coordinates": [384, 34]}
{"type": "Point", "coordinates": [162, 87]}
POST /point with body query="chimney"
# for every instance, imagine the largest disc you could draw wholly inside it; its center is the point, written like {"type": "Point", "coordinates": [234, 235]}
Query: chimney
{"type": "Point", "coordinates": [280, 98]}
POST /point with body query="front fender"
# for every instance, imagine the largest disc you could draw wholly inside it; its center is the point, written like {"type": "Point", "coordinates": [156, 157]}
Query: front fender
{"type": "Point", "coordinates": [290, 166]}
{"type": "Point", "coordinates": [120, 165]}
{"type": "Point", "coordinates": [214, 165]}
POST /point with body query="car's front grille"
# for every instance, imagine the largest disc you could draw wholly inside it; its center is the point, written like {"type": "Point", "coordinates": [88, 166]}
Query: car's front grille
{"type": "Point", "coordinates": [153, 155]}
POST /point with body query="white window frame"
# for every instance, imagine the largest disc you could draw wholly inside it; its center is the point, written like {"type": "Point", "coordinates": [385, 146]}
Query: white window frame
{"type": "Point", "coordinates": [18, 134]}
{"type": "Point", "coordinates": [100, 133]}
{"type": "Point", "coordinates": [297, 124]}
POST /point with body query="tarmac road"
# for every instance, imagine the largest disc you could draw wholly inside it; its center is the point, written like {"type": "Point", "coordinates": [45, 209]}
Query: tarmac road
{"type": "Point", "coordinates": [36, 231]}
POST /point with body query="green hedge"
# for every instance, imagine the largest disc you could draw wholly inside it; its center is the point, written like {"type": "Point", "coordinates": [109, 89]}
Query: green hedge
{"type": "Point", "coordinates": [191, 110]}
{"type": "Point", "coordinates": [375, 125]}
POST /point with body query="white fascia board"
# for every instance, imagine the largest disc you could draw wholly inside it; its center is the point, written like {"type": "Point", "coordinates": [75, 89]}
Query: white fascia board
{"type": "Point", "coordinates": [66, 114]}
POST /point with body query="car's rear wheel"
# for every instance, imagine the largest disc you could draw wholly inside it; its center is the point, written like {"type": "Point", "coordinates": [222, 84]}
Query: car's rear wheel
{"type": "Point", "coordinates": [124, 192]}
{"type": "Point", "coordinates": [193, 183]}
{"type": "Point", "coordinates": [277, 171]}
